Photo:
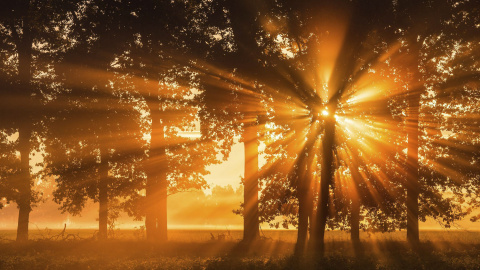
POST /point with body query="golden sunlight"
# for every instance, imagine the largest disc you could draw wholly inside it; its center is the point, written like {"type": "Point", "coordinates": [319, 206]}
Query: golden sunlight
{"type": "Point", "coordinates": [239, 134]}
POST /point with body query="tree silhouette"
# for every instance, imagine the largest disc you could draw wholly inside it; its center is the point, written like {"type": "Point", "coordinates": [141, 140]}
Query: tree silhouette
{"type": "Point", "coordinates": [164, 68]}
{"type": "Point", "coordinates": [30, 39]}
{"type": "Point", "coordinates": [421, 28]}
{"type": "Point", "coordinates": [368, 110]}
{"type": "Point", "coordinates": [93, 115]}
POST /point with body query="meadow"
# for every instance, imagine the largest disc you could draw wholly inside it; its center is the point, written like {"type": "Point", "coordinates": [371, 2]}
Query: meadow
{"type": "Point", "coordinates": [197, 249]}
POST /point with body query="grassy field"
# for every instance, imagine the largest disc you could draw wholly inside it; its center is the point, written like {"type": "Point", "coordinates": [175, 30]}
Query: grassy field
{"type": "Point", "coordinates": [195, 249]}
{"type": "Point", "coordinates": [289, 236]}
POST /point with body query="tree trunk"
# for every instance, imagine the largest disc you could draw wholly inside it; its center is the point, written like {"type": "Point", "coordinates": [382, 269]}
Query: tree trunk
{"type": "Point", "coordinates": [355, 220]}
{"type": "Point", "coordinates": [162, 198]}
{"type": "Point", "coordinates": [355, 226]}
{"type": "Point", "coordinates": [303, 214]}
{"type": "Point", "coordinates": [412, 184]}
{"type": "Point", "coordinates": [24, 201]}
{"type": "Point", "coordinates": [150, 215]}
{"type": "Point", "coordinates": [243, 23]}
{"type": "Point", "coordinates": [24, 187]}
{"type": "Point", "coordinates": [250, 195]}
{"type": "Point", "coordinates": [355, 197]}
{"type": "Point", "coordinates": [156, 189]}
{"type": "Point", "coordinates": [328, 145]}
{"type": "Point", "coordinates": [304, 190]}
{"type": "Point", "coordinates": [103, 197]}
{"type": "Point", "coordinates": [305, 209]}
{"type": "Point", "coordinates": [152, 177]}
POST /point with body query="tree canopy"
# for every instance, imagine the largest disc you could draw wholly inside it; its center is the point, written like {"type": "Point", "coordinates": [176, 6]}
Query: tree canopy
{"type": "Point", "coordinates": [365, 112]}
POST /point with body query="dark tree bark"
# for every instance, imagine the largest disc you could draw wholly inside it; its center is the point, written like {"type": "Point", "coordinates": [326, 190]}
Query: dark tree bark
{"type": "Point", "coordinates": [305, 192]}
{"type": "Point", "coordinates": [156, 190]}
{"type": "Point", "coordinates": [244, 23]}
{"type": "Point", "coordinates": [355, 220]}
{"type": "Point", "coordinates": [412, 184]}
{"type": "Point", "coordinates": [24, 46]}
{"type": "Point", "coordinates": [328, 146]}
{"type": "Point", "coordinates": [355, 197]}
{"type": "Point", "coordinates": [355, 225]}
{"type": "Point", "coordinates": [25, 192]}
{"type": "Point", "coordinates": [303, 214]}
{"type": "Point", "coordinates": [150, 215]}
{"type": "Point", "coordinates": [162, 198]}
{"type": "Point", "coordinates": [250, 219]}
{"type": "Point", "coordinates": [103, 197]}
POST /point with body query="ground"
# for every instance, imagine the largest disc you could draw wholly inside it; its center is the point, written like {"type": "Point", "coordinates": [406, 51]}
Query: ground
{"type": "Point", "coordinates": [197, 250]}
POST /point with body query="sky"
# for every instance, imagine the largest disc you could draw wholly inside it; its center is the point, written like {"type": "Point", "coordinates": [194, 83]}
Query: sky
{"type": "Point", "coordinates": [228, 172]}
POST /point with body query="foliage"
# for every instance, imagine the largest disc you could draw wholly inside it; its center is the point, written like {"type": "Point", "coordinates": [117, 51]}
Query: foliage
{"type": "Point", "coordinates": [365, 108]}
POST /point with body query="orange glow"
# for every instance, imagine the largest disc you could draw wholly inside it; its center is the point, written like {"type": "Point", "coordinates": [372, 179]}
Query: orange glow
{"type": "Point", "coordinates": [234, 124]}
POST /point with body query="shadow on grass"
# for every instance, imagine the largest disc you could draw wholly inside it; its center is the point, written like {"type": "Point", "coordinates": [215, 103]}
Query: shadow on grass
{"type": "Point", "coordinates": [264, 254]}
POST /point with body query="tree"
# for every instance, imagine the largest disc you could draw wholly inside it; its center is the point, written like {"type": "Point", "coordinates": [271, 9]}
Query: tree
{"type": "Point", "coordinates": [264, 58]}
{"type": "Point", "coordinates": [419, 31]}
{"type": "Point", "coordinates": [93, 113]}
{"type": "Point", "coordinates": [244, 29]}
{"type": "Point", "coordinates": [309, 27]}
{"type": "Point", "coordinates": [166, 77]}
{"type": "Point", "coordinates": [29, 42]}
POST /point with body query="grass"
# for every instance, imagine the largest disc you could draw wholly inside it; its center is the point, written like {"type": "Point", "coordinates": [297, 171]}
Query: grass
{"type": "Point", "coordinates": [195, 250]}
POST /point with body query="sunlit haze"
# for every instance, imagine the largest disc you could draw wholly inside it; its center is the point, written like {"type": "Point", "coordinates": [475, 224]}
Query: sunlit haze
{"type": "Point", "coordinates": [278, 134]}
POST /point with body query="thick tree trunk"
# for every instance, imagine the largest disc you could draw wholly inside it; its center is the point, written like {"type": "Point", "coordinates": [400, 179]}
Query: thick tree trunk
{"type": "Point", "coordinates": [305, 209]}
{"type": "Point", "coordinates": [356, 201]}
{"type": "Point", "coordinates": [156, 189]}
{"type": "Point", "coordinates": [412, 184]}
{"type": "Point", "coordinates": [304, 190]}
{"type": "Point", "coordinates": [162, 198]}
{"type": "Point", "coordinates": [103, 195]}
{"type": "Point", "coordinates": [303, 215]}
{"type": "Point", "coordinates": [152, 176]}
{"type": "Point", "coordinates": [24, 187]}
{"type": "Point", "coordinates": [355, 198]}
{"type": "Point", "coordinates": [328, 145]}
{"type": "Point", "coordinates": [24, 201]}
{"type": "Point", "coordinates": [250, 218]}
{"type": "Point", "coordinates": [150, 215]}
{"type": "Point", "coordinates": [355, 226]}
{"type": "Point", "coordinates": [413, 234]}
{"type": "Point", "coordinates": [103, 198]}
{"type": "Point", "coordinates": [355, 220]}
{"type": "Point", "coordinates": [243, 24]}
